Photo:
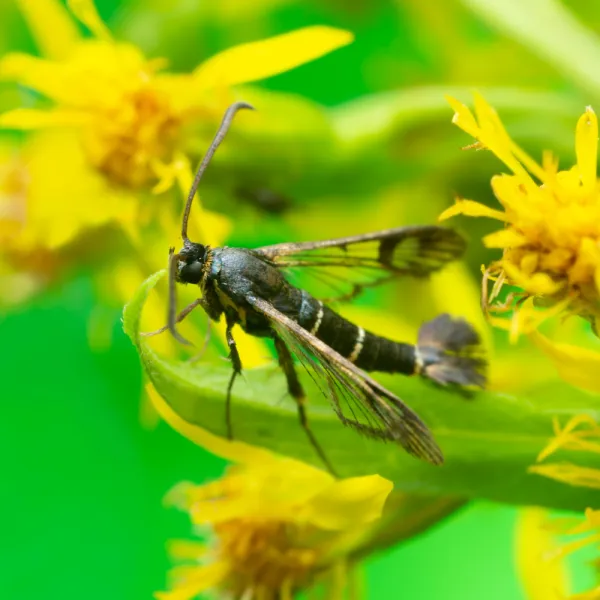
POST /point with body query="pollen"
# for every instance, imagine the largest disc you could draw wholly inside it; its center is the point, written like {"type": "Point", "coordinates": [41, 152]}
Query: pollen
{"type": "Point", "coordinates": [550, 239]}
{"type": "Point", "coordinates": [266, 556]}
{"type": "Point", "coordinates": [124, 141]}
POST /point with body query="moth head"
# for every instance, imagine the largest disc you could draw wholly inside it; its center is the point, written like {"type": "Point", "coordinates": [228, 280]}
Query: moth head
{"type": "Point", "coordinates": [190, 263]}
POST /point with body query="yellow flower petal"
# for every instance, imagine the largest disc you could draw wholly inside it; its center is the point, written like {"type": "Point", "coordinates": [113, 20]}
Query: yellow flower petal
{"type": "Point", "coordinates": [588, 260]}
{"type": "Point", "coordinates": [348, 503]}
{"type": "Point", "coordinates": [490, 123]}
{"type": "Point", "coordinates": [290, 491]}
{"type": "Point", "coordinates": [541, 577]}
{"type": "Point", "coordinates": [487, 128]}
{"type": "Point", "coordinates": [470, 208]}
{"type": "Point", "coordinates": [573, 437]}
{"type": "Point", "coordinates": [31, 118]}
{"type": "Point", "coordinates": [265, 58]}
{"type": "Point", "coordinates": [51, 25]}
{"type": "Point", "coordinates": [85, 11]}
{"type": "Point", "coordinates": [463, 117]}
{"type": "Point", "coordinates": [550, 163]}
{"type": "Point", "coordinates": [29, 71]}
{"type": "Point", "coordinates": [531, 165]}
{"type": "Point", "coordinates": [586, 147]}
{"type": "Point", "coordinates": [495, 138]}
{"type": "Point", "coordinates": [166, 175]}
{"type": "Point", "coordinates": [274, 525]}
{"type": "Point", "coordinates": [56, 213]}
{"type": "Point", "coordinates": [537, 284]}
{"type": "Point", "coordinates": [569, 473]}
{"type": "Point", "coordinates": [505, 238]}
{"type": "Point", "coordinates": [529, 263]}
{"type": "Point", "coordinates": [512, 195]}
{"type": "Point", "coordinates": [557, 260]}
{"type": "Point", "coordinates": [19, 66]}
{"type": "Point", "coordinates": [578, 366]}
{"type": "Point", "coordinates": [219, 502]}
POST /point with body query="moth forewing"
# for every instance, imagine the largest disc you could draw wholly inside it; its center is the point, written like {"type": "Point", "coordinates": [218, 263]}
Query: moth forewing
{"type": "Point", "coordinates": [392, 419]}
{"type": "Point", "coordinates": [351, 264]}
{"type": "Point", "coordinates": [400, 248]}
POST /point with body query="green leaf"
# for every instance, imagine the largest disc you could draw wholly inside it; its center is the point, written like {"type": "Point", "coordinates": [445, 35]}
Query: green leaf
{"type": "Point", "coordinates": [489, 441]}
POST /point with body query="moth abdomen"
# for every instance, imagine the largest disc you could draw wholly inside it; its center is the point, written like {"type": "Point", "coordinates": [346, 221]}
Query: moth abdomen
{"type": "Point", "coordinates": [378, 353]}
{"type": "Point", "coordinates": [448, 350]}
{"type": "Point", "coordinates": [366, 350]}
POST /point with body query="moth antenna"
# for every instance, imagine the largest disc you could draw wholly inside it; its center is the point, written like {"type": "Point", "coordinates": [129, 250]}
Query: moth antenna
{"type": "Point", "coordinates": [172, 310]}
{"type": "Point", "coordinates": [221, 133]}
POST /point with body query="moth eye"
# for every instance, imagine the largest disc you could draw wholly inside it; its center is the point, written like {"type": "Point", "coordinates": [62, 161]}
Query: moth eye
{"type": "Point", "coordinates": [191, 273]}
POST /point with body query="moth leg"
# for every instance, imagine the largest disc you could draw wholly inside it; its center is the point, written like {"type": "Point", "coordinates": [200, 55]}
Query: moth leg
{"type": "Point", "coordinates": [180, 317]}
{"type": "Point", "coordinates": [295, 389]}
{"type": "Point", "coordinates": [207, 337]}
{"type": "Point", "coordinates": [236, 362]}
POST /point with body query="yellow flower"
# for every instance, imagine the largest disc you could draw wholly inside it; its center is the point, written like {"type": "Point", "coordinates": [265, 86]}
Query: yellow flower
{"type": "Point", "coordinates": [580, 434]}
{"type": "Point", "coordinates": [15, 287]}
{"type": "Point", "coordinates": [543, 578]}
{"type": "Point", "coordinates": [278, 525]}
{"type": "Point", "coordinates": [116, 134]}
{"type": "Point", "coordinates": [13, 192]}
{"type": "Point", "coordinates": [130, 120]}
{"type": "Point", "coordinates": [551, 233]}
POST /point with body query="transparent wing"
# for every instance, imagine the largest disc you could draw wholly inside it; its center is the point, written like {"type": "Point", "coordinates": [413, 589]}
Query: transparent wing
{"type": "Point", "coordinates": [350, 264]}
{"type": "Point", "coordinates": [358, 400]}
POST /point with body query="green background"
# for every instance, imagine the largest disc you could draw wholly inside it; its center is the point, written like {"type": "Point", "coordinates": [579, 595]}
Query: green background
{"type": "Point", "coordinates": [82, 481]}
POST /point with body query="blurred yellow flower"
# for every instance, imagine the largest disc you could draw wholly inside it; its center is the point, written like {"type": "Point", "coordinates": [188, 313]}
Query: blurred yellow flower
{"type": "Point", "coordinates": [13, 192]}
{"type": "Point", "coordinates": [580, 434]}
{"type": "Point", "coordinates": [278, 525]}
{"type": "Point", "coordinates": [119, 125]}
{"type": "Point", "coordinates": [551, 234]}
{"type": "Point", "coordinates": [542, 577]}
{"type": "Point", "coordinates": [15, 286]}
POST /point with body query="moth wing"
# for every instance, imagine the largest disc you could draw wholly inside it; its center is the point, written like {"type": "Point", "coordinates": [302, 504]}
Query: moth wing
{"type": "Point", "coordinates": [357, 399]}
{"type": "Point", "coordinates": [348, 265]}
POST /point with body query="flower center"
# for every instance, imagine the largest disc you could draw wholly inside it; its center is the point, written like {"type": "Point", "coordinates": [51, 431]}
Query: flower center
{"type": "Point", "coordinates": [125, 141]}
{"type": "Point", "coordinates": [552, 240]}
{"type": "Point", "coordinates": [264, 556]}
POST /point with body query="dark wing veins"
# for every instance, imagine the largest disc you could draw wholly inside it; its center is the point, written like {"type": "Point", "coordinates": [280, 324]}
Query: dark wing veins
{"type": "Point", "coordinates": [358, 400]}
{"type": "Point", "coordinates": [349, 265]}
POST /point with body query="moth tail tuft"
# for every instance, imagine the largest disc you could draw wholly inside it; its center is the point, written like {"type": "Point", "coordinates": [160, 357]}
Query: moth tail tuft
{"type": "Point", "coordinates": [449, 351]}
